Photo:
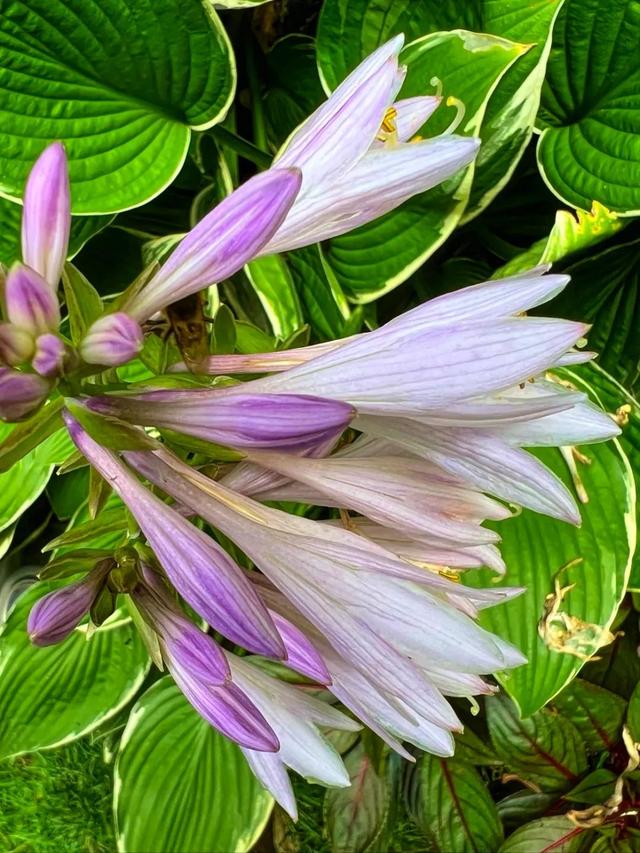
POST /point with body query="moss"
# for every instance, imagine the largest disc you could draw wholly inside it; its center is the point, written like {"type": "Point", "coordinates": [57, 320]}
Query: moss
{"type": "Point", "coordinates": [58, 800]}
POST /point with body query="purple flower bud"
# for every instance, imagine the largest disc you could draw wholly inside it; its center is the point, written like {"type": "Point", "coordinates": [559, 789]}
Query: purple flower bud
{"type": "Point", "coordinates": [46, 218]}
{"type": "Point", "coordinates": [16, 345]}
{"type": "Point", "coordinates": [31, 303]}
{"type": "Point", "coordinates": [20, 393]}
{"type": "Point", "coordinates": [112, 340]}
{"type": "Point", "coordinates": [56, 614]}
{"type": "Point", "coordinates": [49, 357]}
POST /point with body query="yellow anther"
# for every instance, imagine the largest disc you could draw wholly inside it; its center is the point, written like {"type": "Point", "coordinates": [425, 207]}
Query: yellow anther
{"type": "Point", "coordinates": [389, 120]}
{"type": "Point", "coordinates": [449, 574]}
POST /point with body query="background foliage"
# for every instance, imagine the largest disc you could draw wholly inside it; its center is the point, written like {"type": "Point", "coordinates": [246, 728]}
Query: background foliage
{"type": "Point", "coordinates": [165, 106]}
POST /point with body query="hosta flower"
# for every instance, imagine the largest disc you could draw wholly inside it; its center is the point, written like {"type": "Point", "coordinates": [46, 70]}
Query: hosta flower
{"type": "Point", "coordinates": [111, 340]}
{"type": "Point", "coordinates": [334, 173]}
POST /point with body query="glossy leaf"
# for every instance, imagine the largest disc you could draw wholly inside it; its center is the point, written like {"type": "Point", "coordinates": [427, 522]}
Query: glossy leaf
{"type": "Point", "coordinates": [452, 806]}
{"type": "Point", "coordinates": [375, 258]}
{"type": "Point", "coordinates": [324, 301]}
{"type": "Point", "coordinates": [21, 484]}
{"type": "Point", "coordinates": [134, 80]}
{"type": "Point", "coordinates": [595, 788]}
{"type": "Point", "coordinates": [633, 714]}
{"type": "Point", "coordinates": [597, 713]}
{"type": "Point", "coordinates": [180, 786]}
{"type": "Point", "coordinates": [53, 695]}
{"type": "Point", "coordinates": [272, 282]}
{"type": "Point", "coordinates": [590, 143]}
{"type": "Point", "coordinates": [354, 817]}
{"type": "Point", "coordinates": [543, 555]}
{"type": "Point", "coordinates": [545, 749]}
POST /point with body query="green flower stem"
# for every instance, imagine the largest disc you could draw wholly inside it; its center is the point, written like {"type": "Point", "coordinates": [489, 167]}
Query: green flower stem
{"type": "Point", "coordinates": [240, 146]}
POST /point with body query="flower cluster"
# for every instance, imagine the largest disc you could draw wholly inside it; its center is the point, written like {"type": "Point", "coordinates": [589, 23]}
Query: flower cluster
{"type": "Point", "coordinates": [413, 434]}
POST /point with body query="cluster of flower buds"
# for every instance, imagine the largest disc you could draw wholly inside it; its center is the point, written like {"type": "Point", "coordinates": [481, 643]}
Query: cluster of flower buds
{"type": "Point", "coordinates": [34, 352]}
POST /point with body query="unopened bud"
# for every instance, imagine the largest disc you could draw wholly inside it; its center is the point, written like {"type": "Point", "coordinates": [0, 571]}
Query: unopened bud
{"type": "Point", "coordinates": [112, 340]}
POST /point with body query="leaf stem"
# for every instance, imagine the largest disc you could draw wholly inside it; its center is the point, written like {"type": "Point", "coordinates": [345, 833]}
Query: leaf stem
{"type": "Point", "coordinates": [241, 146]}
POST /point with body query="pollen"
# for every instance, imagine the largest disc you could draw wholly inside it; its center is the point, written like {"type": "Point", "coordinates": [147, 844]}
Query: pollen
{"type": "Point", "coordinates": [388, 129]}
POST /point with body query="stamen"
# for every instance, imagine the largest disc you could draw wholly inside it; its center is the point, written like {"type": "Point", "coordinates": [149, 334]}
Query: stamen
{"type": "Point", "coordinates": [460, 111]}
{"type": "Point", "coordinates": [388, 130]}
{"type": "Point", "coordinates": [437, 82]}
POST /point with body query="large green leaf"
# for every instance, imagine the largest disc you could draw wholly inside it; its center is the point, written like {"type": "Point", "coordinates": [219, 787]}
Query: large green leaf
{"type": "Point", "coordinates": [616, 399]}
{"type": "Point", "coordinates": [348, 32]}
{"type": "Point", "coordinates": [451, 805]}
{"type": "Point", "coordinates": [543, 555]}
{"type": "Point", "coordinates": [590, 144]}
{"type": "Point", "coordinates": [133, 78]}
{"type": "Point", "coordinates": [377, 257]}
{"type": "Point", "coordinates": [545, 749]}
{"type": "Point", "coordinates": [83, 228]}
{"type": "Point", "coordinates": [52, 695]}
{"type": "Point", "coordinates": [26, 480]}
{"type": "Point", "coordinates": [605, 291]}
{"type": "Point", "coordinates": [180, 786]}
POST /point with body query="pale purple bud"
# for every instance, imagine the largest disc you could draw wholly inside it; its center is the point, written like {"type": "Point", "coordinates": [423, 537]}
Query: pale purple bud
{"type": "Point", "coordinates": [16, 345]}
{"type": "Point", "coordinates": [31, 303]}
{"type": "Point", "coordinates": [220, 244]}
{"type": "Point", "coordinates": [20, 393]}
{"type": "Point", "coordinates": [46, 218]}
{"type": "Point", "coordinates": [56, 614]}
{"type": "Point", "coordinates": [49, 357]}
{"type": "Point", "coordinates": [112, 340]}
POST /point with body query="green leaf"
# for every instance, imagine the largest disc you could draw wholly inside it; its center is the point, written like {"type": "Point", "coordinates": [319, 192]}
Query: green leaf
{"type": "Point", "coordinates": [27, 435]}
{"type": "Point", "coordinates": [633, 714]}
{"type": "Point", "coordinates": [545, 749]}
{"type": "Point", "coordinates": [25, 481]}
{"type": "Point", "coordinates": [324, 300]}
{"type": "Point", "coordinates": [604, 291]}
{"type": "Point", "coordinates": [53, 695]}
{"type": "Point", "coordinates": [597, 713]}
{"type": "Point", "coordinates": [354, 817]}
{"type": "Point", "coordinates": [594, 789]}
{"type": "Point", "coordinates": [180, 786]}
{"type": "Point", "coordinates": [451, 805]}
{"type": "Point", "coordinates": [272, 282]}
{"type": "Point", "coordinates": [68, 492]}
{"type": "Point", "coordinates": [83, 228]}
{"type": "Point", "coordinates": [84, 303]}
{"type": "Point", "coordinates": [346, 34]}
{"type": "Point", "coordinates": [544, 554]}
{"type": "Point", "coordinates": [111, 432]}
{"type": "Point", "coordinates": [294, 86]}
{"type": "Point", "coordinates": [614, 398]}
{"type": "Point", "coordinates": [473, 750]}
{"type": "Point", "coordinates": [522, 806]}
{"type": "Point", "coordinates": [134, 78]}
{"type": "Point", "coordinates": [377, 257]}
{"type": "Point", "coordinates": [589, 148]}
{"type": "Point", "coordinates": [555, 834]}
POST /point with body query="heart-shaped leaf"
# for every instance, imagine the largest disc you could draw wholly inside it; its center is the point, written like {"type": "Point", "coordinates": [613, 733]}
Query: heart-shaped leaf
{"type": "Point", "coordinates": [133, 79]}
{"type": "Point", "coordinates": [557, 628]}
{"type": "Point", "coordinates": [590, 143]}
{"type": "Point", "coordinates": [53, 695]}
{"type": "Point", "coordinates": [180, 786]}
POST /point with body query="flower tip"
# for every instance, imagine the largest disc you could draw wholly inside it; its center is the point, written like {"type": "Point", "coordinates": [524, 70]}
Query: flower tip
{"type": "Point", "coordinates": [112, 340]}
{"type": "Point", "coordinates": [396, 43]}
